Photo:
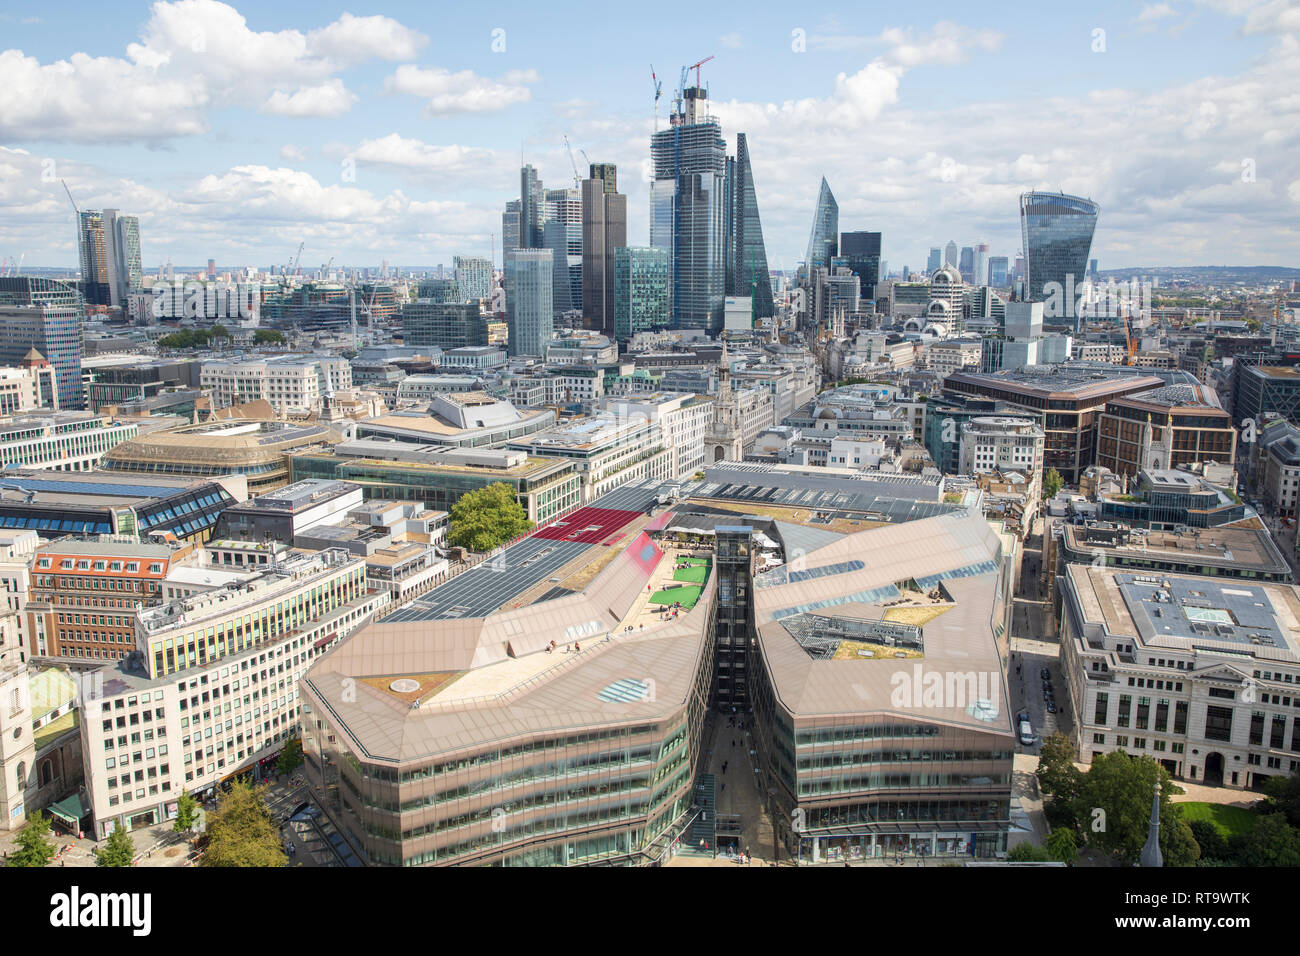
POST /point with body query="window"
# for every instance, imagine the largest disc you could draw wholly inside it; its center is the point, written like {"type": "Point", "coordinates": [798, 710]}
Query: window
{"type": "Point", "coordinates": [1218, 723]}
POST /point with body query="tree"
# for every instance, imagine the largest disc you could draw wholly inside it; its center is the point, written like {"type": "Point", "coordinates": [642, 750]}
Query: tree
{"type": "Point", "coordinates": [1028, 853]}
{"type": "Point", "coordinates": [34, 845]}
{"type": "Point", "coordinates": [487, 517]}
{"type": "Point", "coordinates": [290, 757]}
{"type": "Point", "coordinates": [118, 851]}
{"type": "Point", "coordinates": [268, 337]}
{"type": "Point", "coordinates": [1120, 786]}
{"type": "Point", "coordinates": [240, 832]}
{"type": "Point", "coordinates": [1272, 842]}
{"type": "Point", "coordinates": [187, 813]}
{"type": "Point", "coordinates": [1213, 844]}
{"type": "Point", "coordinates": [1052, 483]}
{"type": "Point", "coordinates": [1282, 795]}
{"type": "Point", "coordinates": [1062, 845]}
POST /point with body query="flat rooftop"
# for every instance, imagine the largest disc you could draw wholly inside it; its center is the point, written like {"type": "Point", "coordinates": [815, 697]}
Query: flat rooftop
{"type": "Point", "coordinates": [1248, 548]}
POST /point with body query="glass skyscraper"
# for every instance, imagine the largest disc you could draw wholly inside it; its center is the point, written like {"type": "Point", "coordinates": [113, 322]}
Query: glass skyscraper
{"type": "Point", "coordinates": [108, 246]}
{"type": "Point", "coordinates": [747, 273]}
{"type": "Point", "coordinates": [640, 290]}
{"type": "Point", "coordinates": [861, 253]}
{"type": "Point", "coordinates": [530, 284]}
{"type": "Point", "coordinates": [604, 229]}
{"type": "Point", "coordinates": [473, 277]}
{"type": "Point", "coordinates": [823, 244]}
{"type": "Point", "coordinates": [1057, 232]}
{"type": "Point", "coordinates": [688, 211]}
{"type": "Point", "coordinates": [49, 316]}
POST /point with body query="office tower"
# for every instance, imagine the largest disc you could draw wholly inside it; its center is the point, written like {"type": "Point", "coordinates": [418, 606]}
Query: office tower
{"type": "Point", "coordinates": [108, 246]}
{"type": "Point", "coordinates": [473, 277]}
{"type": "Point", "coordinates": [1092, 267]}
{"type": "Point", "coordinates": [48, 316]}
{"type": "Point", "coordinates": [640, 290]}
{"type": "Point", "coordinates": [1019, 270]}
{"type": "Point", "coordinates": [439, 290]}
{"type": "Point", "coordinates": [932, 264]}
{"type": "Point", "coordinates": [998, 271]}
{"type": "Point", "coordinates": [861, 253]}
{"type": "Point", "coordinates": [823, 243]}
{"type": "Point", "coordinates": [950, 254]}
{"type": "Point", "coordinates": [562, 234]}
{"type": "Point", "coordinates": [981, 272]}
{"type": "Point", "coordinates": [212, 268]}
{"type": "Point", "coordinates": [604, 229]}
{"type": "Point", "coordinates": [445, 325]}
{"type": "Point", "coordinates": [1057, 232]}
{"type": "Point", "coordinates": [747, 273]}
{"type": "Point", "coordinates": [687, 210]}
{"type": "Point", "coordinates": [607, 173]}
{"type": "Point", "coordinates": [966, 264]}
{"type": "Point", "coordinates": [510, 226]}
{"type": "Point", "coordinates": [530, 313]}
{"type": "Point", "coordinates": [532, 208]}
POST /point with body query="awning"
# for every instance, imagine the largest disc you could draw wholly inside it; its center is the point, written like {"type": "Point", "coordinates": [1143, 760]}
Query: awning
{"type": "Point", "coordinates": [70, 809]}
{"type": "Point", "coordinates": [327, 639]}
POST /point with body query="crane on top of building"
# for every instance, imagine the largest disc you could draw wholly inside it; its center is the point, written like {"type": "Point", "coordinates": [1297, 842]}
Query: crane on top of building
{"type": "Point", "coordinates": [70, 199]}
{"type": "Point", "coordinates": [577, 179]}
{"type": "Point", "coordinates": [696, 68]}
{"type": "Point", "coordinates": [659, 91]}
{"type": "Point", "coordinates": [298, 258]}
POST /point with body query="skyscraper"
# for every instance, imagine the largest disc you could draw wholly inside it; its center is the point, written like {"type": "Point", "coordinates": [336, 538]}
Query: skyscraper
{"type": "Point", "coordinates": [604, 229]}
{"type": "Point", "coordinates": [530, 313]}
{"type": "Point", "coordinates": [823, 243]}
{"type": "Point", "coordinates": [981, 271]}
{"type": "Point", "coordinates": [950, 254]}
{"type": "Point", "coordinates": [473, 277]}
{"type": "Point", "coordinates": [532, 208]}
{"type": "Point", "coordinates": [936, 259]}
{"type": "Point", "coordinates": [747, 273]}
{"type": "Point", "coordinates": [998, 272]}
{"type": "Point", "coordinates": [510, 226]}
{"type": "Point", "coordinates": [966, 264]}
{"type": "Point", "coordinates": [687, 210]}
{"type": "Point", "coordinates": [861, 253]}
{"type": "Point", "coordinates": [1057, 232]}
{"type": "Point", "coordinates": [108, 247]}
{"type": "Point", "coordinates": [640, 290]}
{"type": "Point", "coordinates": [562, 234]}
{"type": "Point", "coordinates": [49, 316]}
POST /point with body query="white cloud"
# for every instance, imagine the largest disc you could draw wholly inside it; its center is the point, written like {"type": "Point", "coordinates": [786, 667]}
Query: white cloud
{"type": "Point", "coordinates": [328, 99]}
{"type": "Point", "coordinates": [192, 55]}
{"type": "Point", "coordinates": [1155, 11]}
{"type": "Point", "coordinates": [293, 154]}
{"type": "Point", "coordinates": [732, 41]}
{"type": "Point", "coordinates": [464, 91]}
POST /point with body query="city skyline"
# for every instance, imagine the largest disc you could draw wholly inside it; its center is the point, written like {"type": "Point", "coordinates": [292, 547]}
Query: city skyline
{"type": "Point", "coordinates": [236, 134]}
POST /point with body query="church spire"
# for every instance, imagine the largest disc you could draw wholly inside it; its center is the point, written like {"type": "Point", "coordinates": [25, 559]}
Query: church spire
{"type": "Point", "coordinates": [1151, 855]}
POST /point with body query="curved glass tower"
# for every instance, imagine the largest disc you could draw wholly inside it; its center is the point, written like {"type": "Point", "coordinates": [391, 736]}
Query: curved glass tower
{"type": "Point", "coordinates": [823, 244]}
{"type": "Point", "coordinates": [1057, 232]}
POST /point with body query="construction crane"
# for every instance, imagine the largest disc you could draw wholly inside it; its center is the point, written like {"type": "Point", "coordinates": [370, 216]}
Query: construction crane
{"type": "Point", "coordinates": [696, 68]}
{"type": "Point", "coordinates": [325, 270]}
{"type": "Point", "coordinates": [577, 179]}
{"type": "Point", "coordinates": [1129, 342]}
{"type": "Point", "coordinates": [659, 90]}
{"type": "Point", "coordinates": [298, 258]}
{"type": "Point", "coordinates": [70, 199]}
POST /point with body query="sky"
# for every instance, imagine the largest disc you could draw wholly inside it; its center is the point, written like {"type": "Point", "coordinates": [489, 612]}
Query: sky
{"type": "Point", "coordinates": [395, 132]}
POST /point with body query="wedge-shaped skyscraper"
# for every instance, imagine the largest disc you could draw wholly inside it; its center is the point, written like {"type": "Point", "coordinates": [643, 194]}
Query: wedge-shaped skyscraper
{"type": "Point", "coordinates": [823, 244]}
{"type": "Point", "coordinates": [1057, 231]}
{"type": "Point", "coordinates": [747, 273]}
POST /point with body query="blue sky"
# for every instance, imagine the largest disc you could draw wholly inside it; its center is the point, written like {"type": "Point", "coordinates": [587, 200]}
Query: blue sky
{"type": "Point", "coordinates": [395, 131]}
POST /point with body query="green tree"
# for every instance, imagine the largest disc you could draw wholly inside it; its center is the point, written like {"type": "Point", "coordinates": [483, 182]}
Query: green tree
{"type": "Point", "coordinates": [34, 845]}
{"type": "Point", "coordinates": [1052, 483]}
{"type": "Point", "coordinates": [1213, 844]}
{"type": "Point", "coordinates": [187, 813]}
{"type": "Point", "coordinates": [1062, 845]}
{"type": "Point", "coordinates": [240, 832]}
{"type": "Point", "coordinates": [1272, 842]}
{"type": "Point", "coordinates": [487, 517]}
{"type": "Point", "coordinates": [118, 851]}
{"type": "Point", "coordinates": [268, 337]}
{"type": "Point", "coordinates": [1028, 853]}
{"type": "Point", "coordinates": [290, 757]}
{"type": "Point", "coordinates": [1120, 786]}
{"type": "Point", "coordinates": [1282, 795]}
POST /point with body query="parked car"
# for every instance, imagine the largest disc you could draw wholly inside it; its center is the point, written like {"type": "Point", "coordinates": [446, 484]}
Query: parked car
{"type": "Point", "coordinates": [1045, 674]}
{"type": "Point", "coordinates": [1051, 706]}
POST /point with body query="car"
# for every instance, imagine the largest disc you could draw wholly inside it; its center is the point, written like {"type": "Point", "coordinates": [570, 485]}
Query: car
{"type": "Point", "coordinates": [1022, 717]}
{"type": "Point", "coordinates": [1045, 674]}
{"type": "Point", "coordinates": [1047, 693]}
{"type": "Point", "coordinates": [1051, 706]}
